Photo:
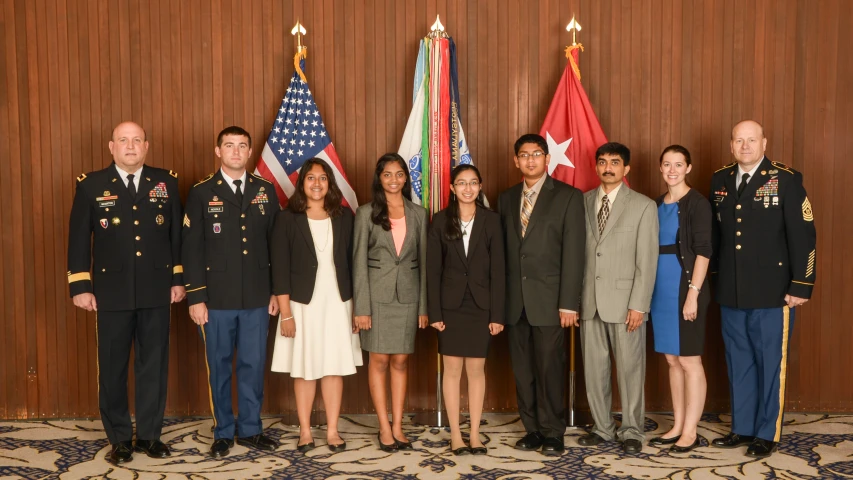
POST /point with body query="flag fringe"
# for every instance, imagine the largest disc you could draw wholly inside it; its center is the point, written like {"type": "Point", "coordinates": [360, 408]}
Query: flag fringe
{"type": "Point", "coordinates": [300, 54]}
{"type": "Point", "coordinates": [571, 58]}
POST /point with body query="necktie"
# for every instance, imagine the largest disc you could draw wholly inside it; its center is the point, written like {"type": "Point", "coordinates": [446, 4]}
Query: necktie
{"type": "Point", "coordinates": [742, 185]}
{"type": "Point", "coordinates": [603, 213]}
{"type": "Point", "coordinates": [526, 210]}
{"type": "Point", "coordinates": [238, 191]}
{"type": "Point", "coordinates": [131, 187]}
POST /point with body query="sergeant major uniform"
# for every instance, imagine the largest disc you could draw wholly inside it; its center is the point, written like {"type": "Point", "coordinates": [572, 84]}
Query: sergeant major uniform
{"type": "Point", "coordinates": [131, 268]}
{"type": "Point", "coordinates": [227, 266]}
{"type": "Point", "coordinates": [764, 248]}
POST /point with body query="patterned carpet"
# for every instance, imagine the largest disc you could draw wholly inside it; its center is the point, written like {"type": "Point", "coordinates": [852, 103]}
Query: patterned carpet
{"type": "Point", "coordinates": [813, 446]}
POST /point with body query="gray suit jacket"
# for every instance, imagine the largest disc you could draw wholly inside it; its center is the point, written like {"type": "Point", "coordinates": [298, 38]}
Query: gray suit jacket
{"type": "Point", "coordinates": [621, 263]}
{"type": "Point", "coordinates": [379, 274]}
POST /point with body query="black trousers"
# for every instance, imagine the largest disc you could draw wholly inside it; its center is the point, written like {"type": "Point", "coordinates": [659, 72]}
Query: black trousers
{"type": "Point", "coordinates": [147, 329]}
{"type": "Point", "coordinates": [539, 364]}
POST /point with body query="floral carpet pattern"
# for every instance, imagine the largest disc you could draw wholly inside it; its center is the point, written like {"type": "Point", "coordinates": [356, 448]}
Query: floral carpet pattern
{"type": "Point", "coordinates": [813, 446]}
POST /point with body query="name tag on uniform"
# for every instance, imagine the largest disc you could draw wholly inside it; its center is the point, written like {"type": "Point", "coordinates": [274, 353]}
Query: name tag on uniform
{"type": "Point", "coordinates": [110, 203]}
{"type": "Point", "coordinates": [215, 209]}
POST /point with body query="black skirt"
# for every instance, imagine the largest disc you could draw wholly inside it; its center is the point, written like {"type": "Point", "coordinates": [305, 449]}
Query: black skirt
{"type": "Point", "coordinates": [466, 332]}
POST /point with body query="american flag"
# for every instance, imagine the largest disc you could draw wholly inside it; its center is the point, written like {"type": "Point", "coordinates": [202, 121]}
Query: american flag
{"type": "Point", "coordinates": [298, 134]}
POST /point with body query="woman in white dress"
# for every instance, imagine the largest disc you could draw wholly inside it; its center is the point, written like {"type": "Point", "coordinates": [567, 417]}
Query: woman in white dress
{"type": "Point", "coordinates": [311, 256]}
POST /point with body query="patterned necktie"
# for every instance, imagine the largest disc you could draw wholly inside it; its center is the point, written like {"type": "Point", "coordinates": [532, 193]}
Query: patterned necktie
{"type": "Point", "coordinates": [526, 210]}
{"type": "Point", "coordinates": [131, 187]}
{"type": "Point", "coordinates": [742, 185]}
{"type": "Point", "coordinates": [603, 213]}
{"type": "Point", "coordinates": [238, 191]}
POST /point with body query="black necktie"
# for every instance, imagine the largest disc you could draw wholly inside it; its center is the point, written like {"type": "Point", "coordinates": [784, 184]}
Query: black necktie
{"type": "Point", "coordinates": [742, 185]}
{"type": "Point", "coordinates": [238, 191]}
{"type": "Point", "coordinates": [131, 187]}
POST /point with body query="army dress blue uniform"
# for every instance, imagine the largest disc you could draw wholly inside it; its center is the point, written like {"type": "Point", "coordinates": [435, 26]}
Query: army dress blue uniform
{"type": "Point", "coordinates": [227, 266]}
{"type": "Point", "coordinates": [131, 267]}
{"type": "Point", "coordinates": [764, 248]}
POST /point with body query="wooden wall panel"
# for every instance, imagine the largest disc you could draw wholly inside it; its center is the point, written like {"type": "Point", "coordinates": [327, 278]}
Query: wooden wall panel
{"type": "Point", "coordinates": [657, 72]}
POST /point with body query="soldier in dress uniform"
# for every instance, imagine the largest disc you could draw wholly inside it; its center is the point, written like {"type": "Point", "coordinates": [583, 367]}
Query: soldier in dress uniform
{"type": "Point", "coordinates": [133, 212]}
{"type": "Point", "coordinates": [227, 225]}
{"type": "Point", "coordinates": [764, 260]}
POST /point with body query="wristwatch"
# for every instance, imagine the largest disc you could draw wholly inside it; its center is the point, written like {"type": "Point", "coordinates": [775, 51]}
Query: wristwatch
{"type": "Point", "coordinates": [694, 287]}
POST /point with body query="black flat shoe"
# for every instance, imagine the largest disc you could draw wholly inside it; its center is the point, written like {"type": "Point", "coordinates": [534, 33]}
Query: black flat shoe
{"type": "Point", "coordinates": [259, 441]}
{"type": "Point", "coordinates": [679, 449]}
{"type": "Point", "coordinates": [632, 446]}
{"type": "Point", "coordinates": [338, 448]}
{"type": "Point", "coordinates": [590, 440]}
{"type": "Point", "coordinates": [121, 452]}
{"type": "Point", "coordinates": [221, 447]}
{"type": "Point", "coordinates": [761, 448]}
{"type": "Point", "coordinates": [402, 445]}
{"type": "Point", "coordinates": [463, 450]}
{"type": "Point", "coordinates": [531, 441]}
{"type": "Point", "coordinates": [732, 440]}
{"type": "Point", "coordinates": [660, 441]}
{"type": "Point", "coordinates": [305, 448]}
{"type": "Point", "coordinates": [479, 450]}
{"type": "Point", "coordinates": [153, 448]}
{"type": "Point", "coordinates": [391, 448]}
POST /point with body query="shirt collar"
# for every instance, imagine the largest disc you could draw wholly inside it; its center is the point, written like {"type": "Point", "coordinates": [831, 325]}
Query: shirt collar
{"type": "Point", "coordinates": [751, 172]}
{"type": "Point", "coordinates": [231, 180]}
{"type": "Point", "coordinates": [123, 174]}
{"type": "Point", "coordinates": [610, 196]}
{"type": "Point", "coordinates": [537, 187]}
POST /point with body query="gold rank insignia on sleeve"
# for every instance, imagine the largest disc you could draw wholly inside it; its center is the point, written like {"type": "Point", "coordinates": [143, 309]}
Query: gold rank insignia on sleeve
{"type": "Point", "coordinates": [186, 221]}
{"type": "Point", "coordinates": [808, 215]}
{"type": "Point", "coordinates": [810, 265]}
{"type": "Point", "coordinates": [173, 173]}
{"type": "Point", "coordinates": [81, 177]}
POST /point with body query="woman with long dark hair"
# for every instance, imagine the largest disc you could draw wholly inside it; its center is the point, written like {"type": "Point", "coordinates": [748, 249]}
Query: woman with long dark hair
{"type": "Point", "coordinates": [680, 300]}
{"type": "Point", "coordinates": [311, 257]}
{"type": "Point", "coordinates": [389, 272]}
{"type": "Point", "coordinates": [466, 285]}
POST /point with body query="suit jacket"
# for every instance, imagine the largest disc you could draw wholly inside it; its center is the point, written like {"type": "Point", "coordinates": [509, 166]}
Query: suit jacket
{"type": "Point", "coordinates": [450, 271]}
{"type": "Point", "coordinates": [545, 268]}
{"type": "Point", "coordinates": [294, 259]}
{"type": "Point", "coordinates": [764, 240]}
{"type": "Point", "coordinates": [379, 274]}
{"type": "Point", "coordinates": [226, 247]}
{"type": "Point", "coordinates": [137, 241]}
{"type": "Point", "coordinates": [621, 263]}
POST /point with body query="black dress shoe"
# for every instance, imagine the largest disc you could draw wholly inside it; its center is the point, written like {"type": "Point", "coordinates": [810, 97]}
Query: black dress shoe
{"type": "Point", "coordinates": [531, 441]}
{"type": "Point", "coordinates": [153, 448]}
{"type": "Point", "coordinates": [121, 452]}
{"type": "Point", "coordinates": [305, 448]}
{"type": "Point", "coordinates": [632, 446]}
{"type": "Point", "coordinates": [732, 440]}
{"type": "Point", "coordinates": [402, 445]}
{"type": "Point", "coordinates": [679, 449]}
{"type": "Point", "coordinates": [221, 447]}
{"type": "Point", "coordinates": [659, 441]}
{"type": "Point", "coordinates": [390, 448]}
{"type": "Point", "coordinates": [259, 441]}
{"type": "Point", "coordinates": [590, 440]}
{"type": "Point", "coordinates": [553, 447]}
{"type": "Point", "coordinates": [761, 448]}
{"type": "Point", "coordinates": [338, 448]}
{"type": "Point", "coordinates": [479, 450]}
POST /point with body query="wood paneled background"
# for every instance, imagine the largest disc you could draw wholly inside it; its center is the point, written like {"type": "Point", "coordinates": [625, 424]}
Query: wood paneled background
{"type": "Point", "coordinates": [657, 72]}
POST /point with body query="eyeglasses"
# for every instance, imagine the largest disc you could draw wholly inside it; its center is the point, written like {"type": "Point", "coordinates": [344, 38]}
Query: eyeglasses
{"type": "Point", "coordinates": [535, 155]}
{"type": "Point", "coordinates": [472, 184]}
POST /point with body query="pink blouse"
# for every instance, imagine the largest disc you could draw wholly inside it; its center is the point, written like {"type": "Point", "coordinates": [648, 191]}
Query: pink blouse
{"type": "Point", "coordinates": [398, 231]}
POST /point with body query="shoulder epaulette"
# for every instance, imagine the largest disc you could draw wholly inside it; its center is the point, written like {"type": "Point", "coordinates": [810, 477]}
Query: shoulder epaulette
{"type": "Point", "coordinates": [727, 166]}
{"type": "Point", "coordinates": [81, 177]}
{"type": "Point", "coordinates": [173, 173]}
{"type": "Point", "coordinates": [260, 178]}
{"type": "Point", "coordinates": [205, 179]}
{"type": "Point", "coordinates": [782, 166]}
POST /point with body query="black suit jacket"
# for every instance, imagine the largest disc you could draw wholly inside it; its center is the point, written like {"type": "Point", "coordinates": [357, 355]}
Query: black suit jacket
{"type": "Point", "coordinates": [137, 241]}
{"type": "Point", "coordinates": [294, 260]}
{"type": "Point", "coordinates": [226, 249]}
{"type": "Point", "coordinates": [450, 270]}
{"type": "Point", "coordinates": [545, 268]}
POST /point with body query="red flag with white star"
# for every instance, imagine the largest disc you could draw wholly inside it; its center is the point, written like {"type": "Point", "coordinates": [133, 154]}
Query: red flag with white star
{"type": "Point", "coordinates": [572, 130]}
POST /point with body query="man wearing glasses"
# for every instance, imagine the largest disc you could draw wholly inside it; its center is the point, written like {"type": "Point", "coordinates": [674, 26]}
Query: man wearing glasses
{"type": "Point", "coordinates": [544, 229]}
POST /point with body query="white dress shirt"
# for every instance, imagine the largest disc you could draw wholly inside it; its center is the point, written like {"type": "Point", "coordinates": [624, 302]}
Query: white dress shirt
{"type": "Point", "coordinates": [610, 197]}
{"type": "Point", "coordinates": [230, 181]}
{"type": "Point", "coordinates": [751, 173]}
{"type": "Point", "coordinates": [136, 176]}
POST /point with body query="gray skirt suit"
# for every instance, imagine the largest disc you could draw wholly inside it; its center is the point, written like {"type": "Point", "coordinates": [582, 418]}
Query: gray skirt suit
{"type": "Point", "coordinates": [390, 288]}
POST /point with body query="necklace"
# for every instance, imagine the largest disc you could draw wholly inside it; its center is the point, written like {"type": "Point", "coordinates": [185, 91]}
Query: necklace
{"type": "Point", "coordinates": [465, 225]}
{"type": "Point", "coordinates": [326, 241]}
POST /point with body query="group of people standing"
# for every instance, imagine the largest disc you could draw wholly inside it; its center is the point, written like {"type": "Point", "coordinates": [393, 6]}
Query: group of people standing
{"type": "Point", "coordinates": [550, 257]}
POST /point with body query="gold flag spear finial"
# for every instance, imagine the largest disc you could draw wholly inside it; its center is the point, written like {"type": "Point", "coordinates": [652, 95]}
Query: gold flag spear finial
{"type": "Point", "coordinates": [437, 29]}
{"type": "Point", "coordinates": [301, 50]}
{"type": "Point", "coordinates": [298, 30]}
{"type": "Point", "coordinates": [574, 27]}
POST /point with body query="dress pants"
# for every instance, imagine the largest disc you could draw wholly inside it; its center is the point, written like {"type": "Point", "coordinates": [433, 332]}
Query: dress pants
{"type": "Point", "coordinates": [539, 363]}
{"type": "Point", "coordinates": [598, 339]}
{"type": "Point", "coordinates": [147, 329]}
{"type": "Point", "coordinates": [756, 343]}
{"type": "Point", "coordinates": [247, 331]}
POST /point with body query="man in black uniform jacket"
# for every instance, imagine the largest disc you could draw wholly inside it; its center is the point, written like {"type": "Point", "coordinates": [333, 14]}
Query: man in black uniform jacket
{"type": "Point", "coordinates": [134, 214]}
{"type": "Point", "coordinates": [227, 226]}
{"type": "Point", "coordinates": [764, 260]}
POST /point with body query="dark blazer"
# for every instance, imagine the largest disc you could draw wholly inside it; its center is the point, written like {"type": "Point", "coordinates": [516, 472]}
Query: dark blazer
{"type": "Point", "coordinates": [294, 260]}
{"type": "Point", "coordinates": [545, 268]}
{"type": "Point", "coordinates": [225, 243]}
{"type": "Point", "coordinates": [450, 270]}
{"type": "Point", "coordinates": [693, 239]}
{"type": "Point", "coordinates": [137, 241]}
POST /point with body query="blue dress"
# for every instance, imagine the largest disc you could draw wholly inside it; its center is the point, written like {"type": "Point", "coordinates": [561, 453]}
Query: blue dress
{"type": "Point", "coordinates": [666, 309]}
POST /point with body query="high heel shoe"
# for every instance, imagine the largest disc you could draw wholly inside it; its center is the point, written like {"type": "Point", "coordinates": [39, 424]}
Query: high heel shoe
{"type": "Point", "coordinates": [391, 448]}
{"type": "Point", "coordinates": [678, 449]}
